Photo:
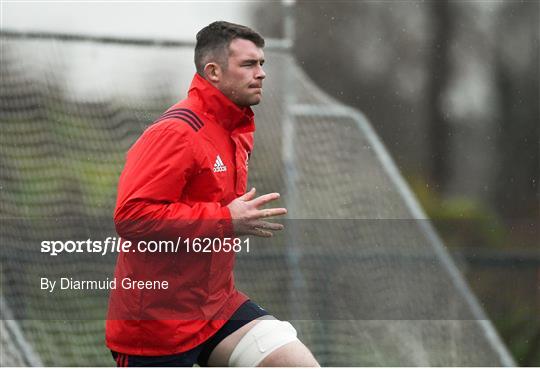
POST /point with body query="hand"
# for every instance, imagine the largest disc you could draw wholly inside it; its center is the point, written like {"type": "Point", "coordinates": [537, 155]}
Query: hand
{"type": "Point", "coordinates": [246, 215]}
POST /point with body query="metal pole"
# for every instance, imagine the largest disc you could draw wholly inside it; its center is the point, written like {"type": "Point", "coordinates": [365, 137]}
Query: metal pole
{"type": "Point", "coordinates": [271, 44]}
{"type": "Point", "coordinates": [296, 281]}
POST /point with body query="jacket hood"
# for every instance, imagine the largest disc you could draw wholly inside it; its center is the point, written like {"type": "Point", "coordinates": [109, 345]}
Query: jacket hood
{"type": "Point", "coordinates": [229, 115]}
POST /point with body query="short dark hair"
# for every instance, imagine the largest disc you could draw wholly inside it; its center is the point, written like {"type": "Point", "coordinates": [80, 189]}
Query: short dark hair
{"type": "Point", "coordinates": [213, 42]}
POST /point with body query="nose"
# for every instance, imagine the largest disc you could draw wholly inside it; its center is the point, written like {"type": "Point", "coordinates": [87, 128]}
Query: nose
{"type": "Point", "coordinates": [260, 73]}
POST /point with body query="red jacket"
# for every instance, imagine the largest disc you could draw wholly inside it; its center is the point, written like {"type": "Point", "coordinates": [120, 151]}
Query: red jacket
{"type": "Point", "coordinates": [178, 178]}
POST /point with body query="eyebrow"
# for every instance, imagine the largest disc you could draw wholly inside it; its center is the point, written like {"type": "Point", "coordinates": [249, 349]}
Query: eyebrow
{"type": "Point", "coordinates": [252, 61]}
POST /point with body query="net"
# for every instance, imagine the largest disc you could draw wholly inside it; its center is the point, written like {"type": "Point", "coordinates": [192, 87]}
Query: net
{"type": "Point", "coordinates": [358, 271]}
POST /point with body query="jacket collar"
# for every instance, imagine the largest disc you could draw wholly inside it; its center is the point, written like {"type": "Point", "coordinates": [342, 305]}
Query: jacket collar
{"type": "Point", "coordinates": [227, 114]}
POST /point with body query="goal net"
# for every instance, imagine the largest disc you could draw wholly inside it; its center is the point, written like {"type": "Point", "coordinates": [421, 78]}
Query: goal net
{"type": "Point", "coordinates": [359, 270]}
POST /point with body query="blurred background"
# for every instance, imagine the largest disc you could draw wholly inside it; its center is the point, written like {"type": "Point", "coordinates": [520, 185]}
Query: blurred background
{"type": "Point", "coordinates": [451, 88]}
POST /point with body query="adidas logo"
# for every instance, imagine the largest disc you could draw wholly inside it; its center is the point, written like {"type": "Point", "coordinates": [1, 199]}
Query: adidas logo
{"type": "Point", "coordinates": [219, 166]}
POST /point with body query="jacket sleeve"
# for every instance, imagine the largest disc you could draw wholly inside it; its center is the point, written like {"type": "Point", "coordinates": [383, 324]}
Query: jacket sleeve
{"type": "Point", "coordinates": [148, 206]}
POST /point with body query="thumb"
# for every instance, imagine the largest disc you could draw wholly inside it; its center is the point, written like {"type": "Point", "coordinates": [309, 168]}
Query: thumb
{"type": "Point", "coordinates": [248, 195]}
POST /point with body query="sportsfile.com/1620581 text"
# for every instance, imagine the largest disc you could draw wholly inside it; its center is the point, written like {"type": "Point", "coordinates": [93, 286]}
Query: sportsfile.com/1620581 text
{"type": "Point", "coordinates": [117, 244]}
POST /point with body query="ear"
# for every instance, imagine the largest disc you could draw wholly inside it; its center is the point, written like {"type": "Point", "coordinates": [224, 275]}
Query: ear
{"type": "Point", "coordinates": [212, 72]}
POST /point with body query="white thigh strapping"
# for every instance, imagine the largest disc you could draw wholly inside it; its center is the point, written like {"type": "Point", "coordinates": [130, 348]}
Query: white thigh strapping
{"type": "Point", "coordinates": [260, 341]}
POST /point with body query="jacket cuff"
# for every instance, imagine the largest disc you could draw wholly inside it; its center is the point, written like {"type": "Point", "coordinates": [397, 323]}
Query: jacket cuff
{"type": "Point", "coordinates": [226, 222]}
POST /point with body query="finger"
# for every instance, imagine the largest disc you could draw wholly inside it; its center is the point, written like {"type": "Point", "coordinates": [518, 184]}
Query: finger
{"type": "Point", "coordinates": [248, 195]}
{"type": "Point", "coordinates": [260, 233]}
{"type": "Point", "coordinates": [269, 226]}
{"type": "Point", "coordinates": [273, 212]}
{"type": "Point", "coordinates": [264, 199]}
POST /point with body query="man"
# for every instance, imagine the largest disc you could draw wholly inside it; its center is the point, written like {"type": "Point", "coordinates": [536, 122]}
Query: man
{"type": "Point", "coordinates": [186, 177]}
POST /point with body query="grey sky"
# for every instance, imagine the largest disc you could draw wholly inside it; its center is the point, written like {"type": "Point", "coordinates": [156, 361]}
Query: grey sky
{"type": "Point", "coordinates": [170, 19]}
{"type": "Point", "coordinates": [92, 71]}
